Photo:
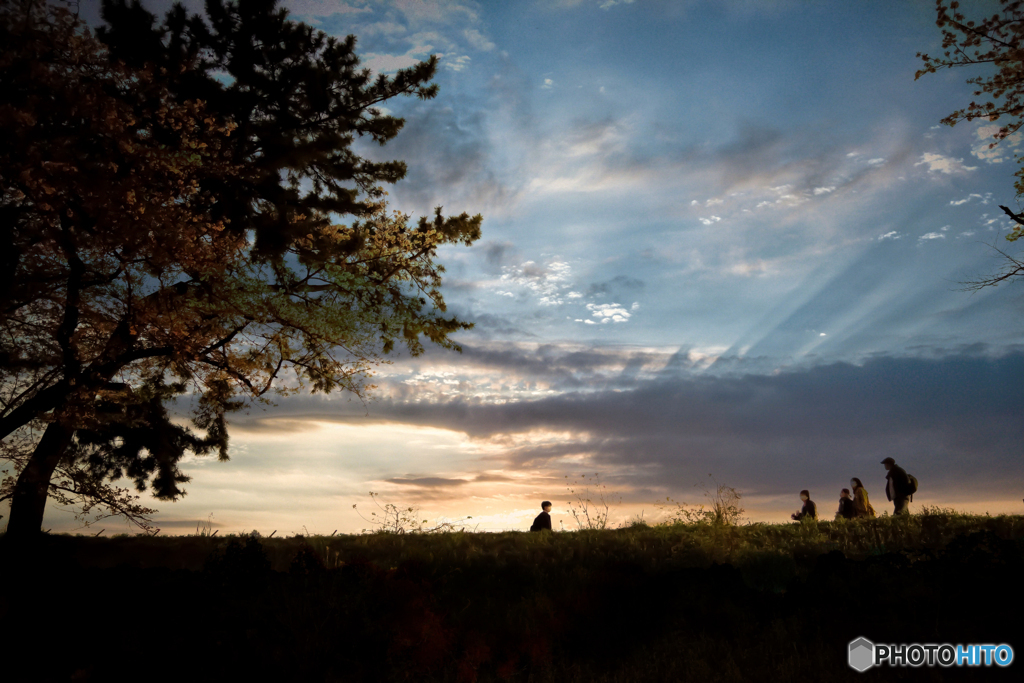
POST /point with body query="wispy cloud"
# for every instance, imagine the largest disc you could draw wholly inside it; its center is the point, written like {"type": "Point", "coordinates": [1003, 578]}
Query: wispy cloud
{"type": "Point", "coordinates": [983, 199]}
{"type": "Point", "coordinates": [323, 8]}
{"type": "Point", "coordinates": [388, 64]}
{"type": "Point", "coordinates": [478, 40]}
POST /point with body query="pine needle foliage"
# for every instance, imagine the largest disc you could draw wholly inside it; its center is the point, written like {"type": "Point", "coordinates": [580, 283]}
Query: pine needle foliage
{"type": "Point", "coordinates": [171, 198]}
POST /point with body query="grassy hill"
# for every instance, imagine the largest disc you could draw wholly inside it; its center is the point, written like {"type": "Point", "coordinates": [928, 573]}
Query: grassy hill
{"type": "Point", "coordinates": [698, 602]}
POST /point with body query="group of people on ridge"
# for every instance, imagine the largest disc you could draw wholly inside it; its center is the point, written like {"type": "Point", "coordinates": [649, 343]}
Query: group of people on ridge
{"type": "Point", "coordinates": [899, 488]}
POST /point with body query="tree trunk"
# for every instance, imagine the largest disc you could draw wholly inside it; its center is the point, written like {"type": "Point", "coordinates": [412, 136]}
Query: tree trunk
{"type": "Point", "coordinates": [33, 486]}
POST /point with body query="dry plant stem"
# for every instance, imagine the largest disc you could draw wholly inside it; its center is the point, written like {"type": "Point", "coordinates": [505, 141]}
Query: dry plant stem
{"type": "Point", "coordinates": [402, 520]}
{"type": "Point", "coordinates": [722, 507]}
{"type": "Point", "coordinates": [589, 509]}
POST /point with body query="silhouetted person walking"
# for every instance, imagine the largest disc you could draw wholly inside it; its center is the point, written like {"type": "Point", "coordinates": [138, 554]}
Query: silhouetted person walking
{"type": "Point", "coordinates": [845, 510]}
{"type": "Point", "coordinates": [861, 503]}
{"type": "Point", "coordinates": [897, 487]}
{"type": "Point", "coordinates": [543, 520]}
{"type": "Point", "coordinates": [809, 509]}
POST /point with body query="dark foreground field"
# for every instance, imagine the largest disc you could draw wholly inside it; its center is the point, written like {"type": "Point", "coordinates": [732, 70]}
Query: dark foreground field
{"type": "Point", "coordinates": [687, 603]}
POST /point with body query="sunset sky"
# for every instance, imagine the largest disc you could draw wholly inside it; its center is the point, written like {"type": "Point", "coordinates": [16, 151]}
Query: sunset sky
{"type": "Point", "coordinates": [719, 237]}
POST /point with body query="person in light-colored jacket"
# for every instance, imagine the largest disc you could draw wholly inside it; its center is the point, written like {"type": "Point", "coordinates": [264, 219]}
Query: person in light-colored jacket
{"type": "Point", "coordinates": [861, 504]}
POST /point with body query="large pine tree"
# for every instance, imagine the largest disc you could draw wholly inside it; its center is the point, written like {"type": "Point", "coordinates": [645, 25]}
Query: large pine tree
{"type": "Point", "coordinates": [171, 200]}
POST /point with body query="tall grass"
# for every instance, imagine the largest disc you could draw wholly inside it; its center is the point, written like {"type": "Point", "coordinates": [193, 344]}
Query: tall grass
{"type": "Point", "coordinates": [669, 545]}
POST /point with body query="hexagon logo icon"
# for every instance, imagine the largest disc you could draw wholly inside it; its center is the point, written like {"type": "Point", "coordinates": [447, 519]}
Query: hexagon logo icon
{"type": "Point", "coordinates": [862, 654]}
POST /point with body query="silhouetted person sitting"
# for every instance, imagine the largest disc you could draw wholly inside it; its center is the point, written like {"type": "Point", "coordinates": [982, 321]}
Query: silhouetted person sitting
{"type": "Point", "coordinates": [897, 487]}
{"type": "Point", "coordinates": [845, 510]}
{"type": "Point", "coordinates": [543, 520]}
{"type": "Point", "coordinates": [809, 510]}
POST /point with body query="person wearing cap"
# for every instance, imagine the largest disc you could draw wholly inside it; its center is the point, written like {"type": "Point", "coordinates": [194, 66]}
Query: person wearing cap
{"type": "Point", "coordinates": [897, 487]}
{"type": "Point", "coordinates": [809, 510]}
{"type": "Point", "coordinates": [543, 520]}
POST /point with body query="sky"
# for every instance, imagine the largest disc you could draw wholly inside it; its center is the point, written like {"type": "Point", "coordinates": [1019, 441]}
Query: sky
{"type": "Point", "coordinates": [723, 243]}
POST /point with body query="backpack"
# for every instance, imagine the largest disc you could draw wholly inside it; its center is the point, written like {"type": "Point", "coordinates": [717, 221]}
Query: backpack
{"type": "Point", "coordinates": [912, 485]}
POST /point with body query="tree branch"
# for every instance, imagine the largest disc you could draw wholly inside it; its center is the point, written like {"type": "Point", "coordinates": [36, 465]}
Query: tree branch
{"type": "Point", "coordinates": [1017, 217]}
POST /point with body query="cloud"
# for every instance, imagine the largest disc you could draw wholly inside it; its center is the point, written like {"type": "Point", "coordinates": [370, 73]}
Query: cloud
{"type": "Point", "coordinates": [428, 482]}
{"type": "Point", "coordinates": [765, 167]}
{"type": "Point", "coordinates": [620, 284]}
{"type": "Point", "coordinates": [791, 199]}
{"type": "Point", "coordinates": [605, 313]}
{"type": "Point", "coordinates": [548, 84]}
{"type": "Point", "coordinates": [1002, 150]}
{"type": "Point", "coordinates": [450, 159]}
{"type": "Point", "coordinates": [549, 282]}
{"type": "Point", "coordinates": [487, 326]}
{"type": "Point", "coordinates": [323, 8]}
{"type": "Point", "coordinates": [455, 63]}
{"type": "Point", "coordinates": [710, 221]}
{"type": "Point", "coordinates": [939, 414]}
{"type": "Point", "coordinates": [939, 164]}
{"type": "Point", "coordinates": [984, 199]}
{"type": "Point", "coordinates": [387, 29]}
{"type": "Point", "coordinates": [400, 34]}
{"type": "Point", "coordinates": [433, 12]}
{"type": "Point", "coordinates": [387, 64]}
{"type": "Point", "coordinates": [503, 371]}
{"type": "Point", "coordinates": [603, 139]}
{"type": "Point", "coordinates": [477, 40]}
{"type": "Point", "coordinates": [891, 235]}
{"type": "Point", "coordinates": [497, 254]}
{"type": "Point", "coordinates": [749, 267]}
{"type": "Point", "coordinates": [931, 236]}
